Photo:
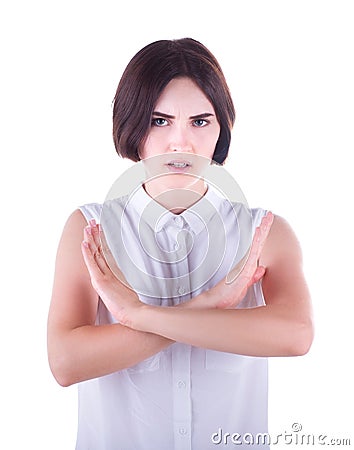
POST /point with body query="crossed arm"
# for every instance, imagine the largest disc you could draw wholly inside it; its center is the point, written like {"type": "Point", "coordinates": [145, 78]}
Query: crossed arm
{"type": "Point", "coordinates": [79, 350]}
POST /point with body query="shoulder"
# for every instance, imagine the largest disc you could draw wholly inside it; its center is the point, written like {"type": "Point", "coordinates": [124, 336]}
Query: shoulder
{"type": "Point", "coordinates": [282, 245]}
{"type": "Point", "coordinates": [72, 233]}
{"type": "Point", "coordinates": [84, 213]}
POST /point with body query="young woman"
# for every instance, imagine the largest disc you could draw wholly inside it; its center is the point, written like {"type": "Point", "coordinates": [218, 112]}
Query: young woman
{"type": "Point", "coordinates": [168, 343]}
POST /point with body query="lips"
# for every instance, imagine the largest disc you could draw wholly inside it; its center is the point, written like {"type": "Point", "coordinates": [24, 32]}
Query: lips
{"type": "Point", "coordinates": [178, 164]}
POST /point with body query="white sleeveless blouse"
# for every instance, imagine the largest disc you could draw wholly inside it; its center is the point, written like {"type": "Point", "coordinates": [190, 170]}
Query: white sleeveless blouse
{"type": "Point", "coordinates": [184, 397]}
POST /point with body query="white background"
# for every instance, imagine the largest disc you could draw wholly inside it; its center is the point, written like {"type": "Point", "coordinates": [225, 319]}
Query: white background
{"type": "Point", "coordinates": [289, 65]}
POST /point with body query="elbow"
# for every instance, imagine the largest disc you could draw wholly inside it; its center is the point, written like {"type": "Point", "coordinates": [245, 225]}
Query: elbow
{"type": "Point", "coordinates": [301, 338]}
{"type": "Point", "coordinates": [63, 359]}
{"type": "Point", "coordinates": [60, 368]}
{"type": "Point", "coordinates": [62, 377]}
{"type": "Point", "coordinates": [63, 380]}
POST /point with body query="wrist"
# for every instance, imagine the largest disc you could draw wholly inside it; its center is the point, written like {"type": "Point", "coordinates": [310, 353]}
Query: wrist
{"type": "Point", "coordinates": [204, 300]}
{"type": "Point", "coordinates": [140, 319]}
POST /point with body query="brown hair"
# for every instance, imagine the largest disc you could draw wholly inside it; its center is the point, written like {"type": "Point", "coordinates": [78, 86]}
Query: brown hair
{"type": "Point", "coordinates": [144, 79]}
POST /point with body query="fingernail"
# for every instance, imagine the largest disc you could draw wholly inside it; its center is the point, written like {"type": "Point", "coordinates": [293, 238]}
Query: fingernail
{"type": "Point", "coordinates": [92, 222]}
{"type": "Point", "coordinates": [88, 230]}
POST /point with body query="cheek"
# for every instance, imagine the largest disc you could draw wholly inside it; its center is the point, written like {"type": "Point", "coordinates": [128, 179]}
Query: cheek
{"type": "Point", "coordinates": [147, 147]}
{"type": "Point", "coordinates": [151, 145]}
{"type": "Point", "coordinates": [210, 140]}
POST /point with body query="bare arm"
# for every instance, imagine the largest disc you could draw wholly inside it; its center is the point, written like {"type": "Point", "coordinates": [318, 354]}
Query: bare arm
{"type": "Point", "coordinates": [77, 348]}
{"type": "Point", "coordinates": [283, 327]}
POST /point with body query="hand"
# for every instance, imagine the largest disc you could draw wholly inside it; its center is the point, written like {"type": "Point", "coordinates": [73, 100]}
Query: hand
{"type": "Point", "coordinates": [106, 278]}
{"type": "Point", "coordinates": [229, 292]}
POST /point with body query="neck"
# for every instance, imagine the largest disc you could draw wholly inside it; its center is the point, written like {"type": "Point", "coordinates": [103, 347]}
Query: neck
{"type": "Point", "coordinates": [178, 199]}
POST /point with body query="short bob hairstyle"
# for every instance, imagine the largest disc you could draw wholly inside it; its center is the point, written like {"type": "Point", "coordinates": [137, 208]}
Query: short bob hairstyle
{"type": "Point", "coordinates": [143, 81]}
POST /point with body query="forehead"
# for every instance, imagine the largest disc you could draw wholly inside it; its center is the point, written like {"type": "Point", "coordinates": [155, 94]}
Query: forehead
{"type": "Point", "coordinates": [183, 93]}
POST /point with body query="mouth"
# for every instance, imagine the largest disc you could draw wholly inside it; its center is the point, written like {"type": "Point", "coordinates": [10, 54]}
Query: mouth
{"type": "Point", "coordinates": [178, 165]}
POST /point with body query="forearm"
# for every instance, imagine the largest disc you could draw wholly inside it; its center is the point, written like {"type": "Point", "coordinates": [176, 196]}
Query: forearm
{"type": "Point", "coordinates": [89, 351]}
{"type": "Point", "coordinates": [263, 331]}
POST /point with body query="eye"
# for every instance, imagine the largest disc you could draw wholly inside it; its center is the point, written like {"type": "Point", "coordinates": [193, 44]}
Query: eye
{"type": "Point", "coordinates": [200, 123]}
{"type": "Point", "coordinates": [159, 122]}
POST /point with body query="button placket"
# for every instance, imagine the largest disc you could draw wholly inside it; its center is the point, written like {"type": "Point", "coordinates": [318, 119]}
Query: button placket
{"type": "Point", "coordinates": [182, 411]}
{"type": "Point", "coordinates": [178, 233]}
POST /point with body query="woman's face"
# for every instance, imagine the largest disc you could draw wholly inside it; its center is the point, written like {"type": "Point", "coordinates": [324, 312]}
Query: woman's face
{"type": "Point", "coordinates": [182, 138]}
{"type": "Point", "coordinates": [183, 121]}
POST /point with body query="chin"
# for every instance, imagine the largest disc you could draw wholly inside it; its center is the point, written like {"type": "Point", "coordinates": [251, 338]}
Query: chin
{"type": "Point", "coordinates": [181, 181]}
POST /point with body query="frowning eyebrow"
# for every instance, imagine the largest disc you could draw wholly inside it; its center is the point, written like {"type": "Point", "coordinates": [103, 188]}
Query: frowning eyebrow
{"type": "Point", "coordinates": [168, 116]}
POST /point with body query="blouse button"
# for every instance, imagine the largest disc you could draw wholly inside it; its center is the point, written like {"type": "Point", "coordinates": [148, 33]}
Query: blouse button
{"type": "Point", "coordinates": [178, 221]}
{"type": "Point", "coordinates": [181, 290]}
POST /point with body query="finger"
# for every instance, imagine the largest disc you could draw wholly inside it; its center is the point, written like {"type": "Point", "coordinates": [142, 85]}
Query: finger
{"type": "Point", "coordinates": [91, 264]}
{"type": "Point", "coordinates": [88, 237]}
{"type": "Point", "coordinates": [260, 237]}
{"type": "Point", "coordinates": [246, 266]}
{"type": "Point", "coordinates": [95, 231]}
{"type": "Point", "coordinates": [105, 248]}
{"type": "Point", "coordinates": [259, 273]}
{"type": "Point", "coordinates": [91, 235]}
{"type": "Point", "coordinates": [101, 261]}
{"type": "Point", "coordinates": [255, 248]}
{"type": "Point", "coordinates": [249, 262]}
{"type": "Point", "coordinates": [95, 250]}
{"type": "Point", "coordinates": [265, 227]}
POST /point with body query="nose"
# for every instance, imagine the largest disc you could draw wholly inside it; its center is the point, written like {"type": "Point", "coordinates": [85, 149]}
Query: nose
{"type": "Point", "coordinates": [180, 141]}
